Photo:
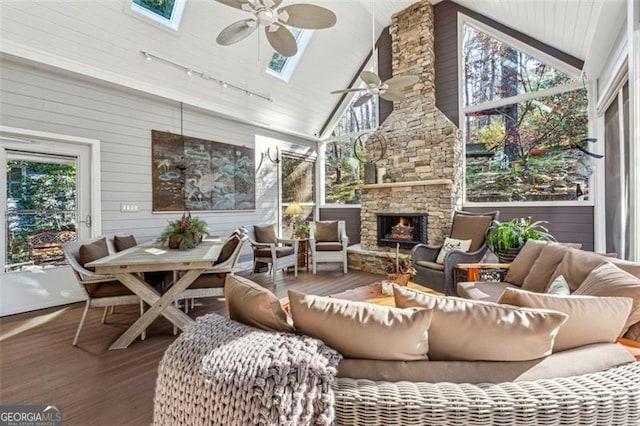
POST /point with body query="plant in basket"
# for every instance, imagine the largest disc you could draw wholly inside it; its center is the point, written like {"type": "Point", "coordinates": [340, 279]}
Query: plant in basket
{"type": "Point", "coordinates": [185, 233]}
{"type": "Point", "coordinates": [506, 239]}
{"type": "Point", "coordinates": [399, 269]}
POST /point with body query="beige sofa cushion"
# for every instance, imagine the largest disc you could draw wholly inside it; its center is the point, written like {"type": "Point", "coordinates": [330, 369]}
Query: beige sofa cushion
{"type": "Point", "coordinates": [610, 281]}
{"type": "Point", "coordinates": [251, 304]}
{"type": "Point", "coordinates": [543, 268]}
{"type": "Point", "coordinates": [472, 330]}
{"type": "Point", "coordinates": [362, 330]}
{"type": "Point", "coordinates": [576, 265]}
{"type": "Point", "coordinates": [574, 362]}
{"type": "Point", "coordinates": [471, 227]}
{"type": "Point", "coordinates": [521, 265]}
{"type": "Point", "coordinates": [487, 291]}
{"type": "Point", "coordinates": [590, 319]}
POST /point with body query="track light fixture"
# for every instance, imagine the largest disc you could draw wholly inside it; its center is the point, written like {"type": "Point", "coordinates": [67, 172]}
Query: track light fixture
{"type": "Point", "coordinates": [205, 76]}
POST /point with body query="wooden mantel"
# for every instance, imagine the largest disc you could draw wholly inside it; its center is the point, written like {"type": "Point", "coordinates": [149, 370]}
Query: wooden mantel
{"type": "Point", "coordinates": [410, 183]}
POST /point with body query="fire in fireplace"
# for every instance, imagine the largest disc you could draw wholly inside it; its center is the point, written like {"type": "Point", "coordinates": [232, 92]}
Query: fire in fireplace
{"type": "Point", "coordinates": [406, 229]}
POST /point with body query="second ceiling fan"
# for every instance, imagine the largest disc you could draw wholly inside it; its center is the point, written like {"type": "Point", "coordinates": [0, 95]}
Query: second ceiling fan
{"type": "Point", "coordinates": [274, 19]}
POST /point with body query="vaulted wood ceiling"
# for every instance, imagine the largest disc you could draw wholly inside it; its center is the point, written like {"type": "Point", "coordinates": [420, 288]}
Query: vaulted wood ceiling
{"type": "Point", "coordinates": [102, 39]}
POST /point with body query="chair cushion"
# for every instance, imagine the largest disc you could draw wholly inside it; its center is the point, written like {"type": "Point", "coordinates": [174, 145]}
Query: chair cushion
{"type": "Point", "coordinates": [326, 231]}
{"type": "Point", "coordinates": [574, 362]}
{"type": "Point", "coordinates": [559, 287]}
{"type": "Point", "coordinates": [280, 252]}
{"type": "Point", "coordinates": [543, 268]}
{"type": "Point", "coordinates": [109, 289]}
{"type": "Point", "coordinates": [472, 228]}
{"type": "Point", "coordinates": [214, 280]}
{"type": "Point", "coordinates": [328, 246]}
{"type": "Point", "coordinates": [124, 242]}
{"type": "Point", "coordinates": [430, 265]}
{"type": "Point", "coordinates": [251, 304]}
{"type": "Point", "coordinates": [607, 280]}
{"type": "Point", "coordinates": [452, 244]}
{"type": "Point", "coordinates": [265, 234]}
{"type": "Point", "coordinates": [590, 319]}
{"type": "Point", "coordinates": [471, 330]}
{"type": "Point", "coordinates": [487, 291]}
{"type": "Point", "coordinates": [521, 265]}
{"type": "Point", "coordinates": [93, 251]}
{"type": "Point", "coordinates": [362, 330]}
{"type": "Point", "coordinates": [227, 249]}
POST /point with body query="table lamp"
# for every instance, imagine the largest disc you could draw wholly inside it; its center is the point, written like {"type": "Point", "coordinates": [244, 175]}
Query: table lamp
{"type": "Point", "coordinates": [294, 210]}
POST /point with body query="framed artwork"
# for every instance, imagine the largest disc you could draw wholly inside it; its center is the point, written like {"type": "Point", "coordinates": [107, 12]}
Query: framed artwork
{"type": "Point", "coordinates": [165, 12]}
{"type": "Point", "coordinates": [197, 174]}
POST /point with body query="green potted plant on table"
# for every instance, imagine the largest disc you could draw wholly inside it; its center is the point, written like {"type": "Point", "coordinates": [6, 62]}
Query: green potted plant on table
{"type": "Point", "coordinates": [185, 233]}
{"type": "Point", "coordinates": [506, 239]}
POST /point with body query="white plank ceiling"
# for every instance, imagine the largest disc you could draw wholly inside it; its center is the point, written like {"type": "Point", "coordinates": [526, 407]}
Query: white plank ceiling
{"type": "Point", "coordinates": [102, 39]}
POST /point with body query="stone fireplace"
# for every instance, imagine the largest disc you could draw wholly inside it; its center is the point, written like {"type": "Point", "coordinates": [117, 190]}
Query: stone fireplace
{"type": "Point", "coordinates": [424, 151]}
{"type": "Point", "coordinates": [405, 229]}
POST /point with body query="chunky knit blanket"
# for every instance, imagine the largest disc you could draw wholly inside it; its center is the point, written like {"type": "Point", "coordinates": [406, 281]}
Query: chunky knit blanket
{"type": "Point", "coordinates": [226, 373]}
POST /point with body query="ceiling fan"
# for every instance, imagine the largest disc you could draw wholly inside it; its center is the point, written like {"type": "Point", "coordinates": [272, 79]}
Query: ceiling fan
{"type": "Point", "coordinates": [390, 89]}
{"type": "Point", "coordinates": [269, 14]}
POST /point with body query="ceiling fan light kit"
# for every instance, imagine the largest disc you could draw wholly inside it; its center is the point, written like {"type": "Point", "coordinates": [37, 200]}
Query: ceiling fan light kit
{"type": "Point", "coordinates": [268, 14]}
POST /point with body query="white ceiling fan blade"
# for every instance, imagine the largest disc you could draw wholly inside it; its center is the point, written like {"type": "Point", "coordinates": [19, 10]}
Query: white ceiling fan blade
{"type": "Point", "coordinates": [347, 91]}
{"type": "Point", "coordinates": [402, 81]}
{"type": "Point", "coordinates": [236, 4]}
{"type": "Point", "coordinates": [392, 95]}
{"type": "Point", "coordinates": [282, 40]}
{"type": "Point", "coordinates": [236, 32]}
{"type": "Point", "coordinates": [309, 16]}
{"type": "Point", "coordinates": [370, 78]}
{"type": "Point", "coordinates": [362, 100]}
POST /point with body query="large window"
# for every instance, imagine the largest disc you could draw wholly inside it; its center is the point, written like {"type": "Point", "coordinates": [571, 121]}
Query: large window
{"type": "Point", "coordinates": [298, 184]}
{"type": "Point", "coordinates": [522, 121]}
{"type": "Point", "coordinates": [343, 172]}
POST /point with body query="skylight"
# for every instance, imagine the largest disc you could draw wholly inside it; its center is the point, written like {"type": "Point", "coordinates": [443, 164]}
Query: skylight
{"type": "Point", "coordinates": [165, 12]}
{"type": "Point", "coordinates": [282, 67]}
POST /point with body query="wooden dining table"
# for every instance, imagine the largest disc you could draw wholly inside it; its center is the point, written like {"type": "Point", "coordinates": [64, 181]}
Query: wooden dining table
{"type": "Point", "coordinates": [128, 265]}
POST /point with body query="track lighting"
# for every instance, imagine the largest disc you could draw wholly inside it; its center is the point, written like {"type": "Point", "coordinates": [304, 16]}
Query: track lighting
{"type": "Point", "coordinates": [205, 76]}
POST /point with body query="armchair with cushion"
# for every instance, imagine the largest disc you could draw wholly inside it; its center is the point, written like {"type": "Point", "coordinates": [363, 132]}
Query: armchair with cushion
{"type": "Point", "coordinates": [439, 275]}
{"type": "Point", "coordinates": [268, 248]}
{"type": "Point", "coordinates": [328, 242]}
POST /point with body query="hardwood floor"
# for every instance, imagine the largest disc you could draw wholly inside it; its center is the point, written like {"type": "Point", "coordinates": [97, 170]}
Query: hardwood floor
{"type": "Point", "coordinates": [96, 386]}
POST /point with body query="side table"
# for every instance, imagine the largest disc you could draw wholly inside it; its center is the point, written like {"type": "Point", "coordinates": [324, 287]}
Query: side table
{"type": "Point", "coordinates": [303, 253]}
{"type": "Point", "coordinates": [480, 271]}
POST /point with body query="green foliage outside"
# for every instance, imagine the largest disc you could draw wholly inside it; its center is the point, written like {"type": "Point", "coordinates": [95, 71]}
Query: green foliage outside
{"type": "Point", "coordinates": [163, 8]}
{"type": "Point", "coordinates": [343, 173]}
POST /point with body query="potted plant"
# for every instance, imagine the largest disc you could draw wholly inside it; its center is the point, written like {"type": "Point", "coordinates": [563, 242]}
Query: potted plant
{"type": "Point", "coordinates": [302, 231]}
{"type": "Point", "coordinates": [399, 269]}
{"type": "Point", "coordinates": [387, 178]}
{"type": "Point", "coordinates": [185, 233]}
{"type": "Point", "coordinates": [506, 239]}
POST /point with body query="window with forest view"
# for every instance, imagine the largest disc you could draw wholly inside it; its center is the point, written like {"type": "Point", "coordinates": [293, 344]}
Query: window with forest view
{"type": "Point", "coordinates": [522, 121]}
{"type": "Point", "coordinates": [298, 184]}
{"type": "Point", "coordinates": [41, 211]}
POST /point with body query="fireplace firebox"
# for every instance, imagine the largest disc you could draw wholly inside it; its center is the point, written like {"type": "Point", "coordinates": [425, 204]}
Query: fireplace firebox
{"type": "Point", "coordinates": [406, 229]}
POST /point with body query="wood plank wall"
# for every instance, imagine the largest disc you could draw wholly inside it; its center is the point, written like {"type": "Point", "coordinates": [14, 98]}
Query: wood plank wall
{"type": "Point", "coordinates": [351, 216]}
{"type": "Point", "coordinates": [446, 52]}
{"type": "Point", "coordinates": [385, 71]}
{"type": "Point", "coordinates": [41, 99]}
{"type": "Point", "coordinates": [568, 224]}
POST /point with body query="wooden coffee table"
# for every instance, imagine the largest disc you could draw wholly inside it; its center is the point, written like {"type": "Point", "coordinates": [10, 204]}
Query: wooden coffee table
{"type": "Point", "coordinates": [372, 293]}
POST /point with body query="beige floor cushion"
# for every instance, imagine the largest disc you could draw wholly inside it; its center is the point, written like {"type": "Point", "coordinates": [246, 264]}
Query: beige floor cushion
{"type": "Point", "coordinates": [362, 330]}
{"type": "Point", "coordinates": [590, 319]}
{"type": "Point", "coordinates": [472, 330]}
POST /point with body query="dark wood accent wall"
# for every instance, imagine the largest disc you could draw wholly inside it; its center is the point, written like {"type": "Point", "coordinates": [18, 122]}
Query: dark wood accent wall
{"type": "Point", "coordinates": [568, 224]}
{"type": "Point", "coordinates": [446, 52]}
{"type": "Point", "coordinates": [385, 71]}
{"type": "Point", "coordinates": [351, 217]}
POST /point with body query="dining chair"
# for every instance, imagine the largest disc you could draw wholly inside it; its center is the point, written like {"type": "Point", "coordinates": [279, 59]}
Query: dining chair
{"type": "Point", "coordinates": [328, 242]}
{"type": "Point", "coordinates": [99, 290]}
{"type": "Point", "coordinates": [267, 248]}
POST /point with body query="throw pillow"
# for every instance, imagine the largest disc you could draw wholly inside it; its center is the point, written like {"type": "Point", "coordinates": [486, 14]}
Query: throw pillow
{"type": "Point", "coordinates": [590, 319]}
{"type": "Point", "coordinates": [576, 266]}
{"type": "Point", "coordinates": [265, 234]}
{"type": "Point", "coordinates": [326, 231]}
{"type": "Point", "coordinates": [362, 330]}
{"type": "Point", "coordinates": [93, 251]}
{"type": "Point", "coordinates": [610, 281]}
{"type": "Point", "coordinates": [452, 244]}
{"type": "Point", "coordinates": [227, 249]}
{"type": "Point", "coordinates": [539, 276]}
{"type": "Point", "coordinates": [521, 265]}
{"type": "Point", "coordinates": [467, 330]}
{"type": "Point", "coordinates": [124, 242]}
{"type": "Point", "coordinates": [473, 227]}
{"type": "Point", "coordinates": [251, 304]}
{"type": "Point", "coordinates": [559, 287]}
